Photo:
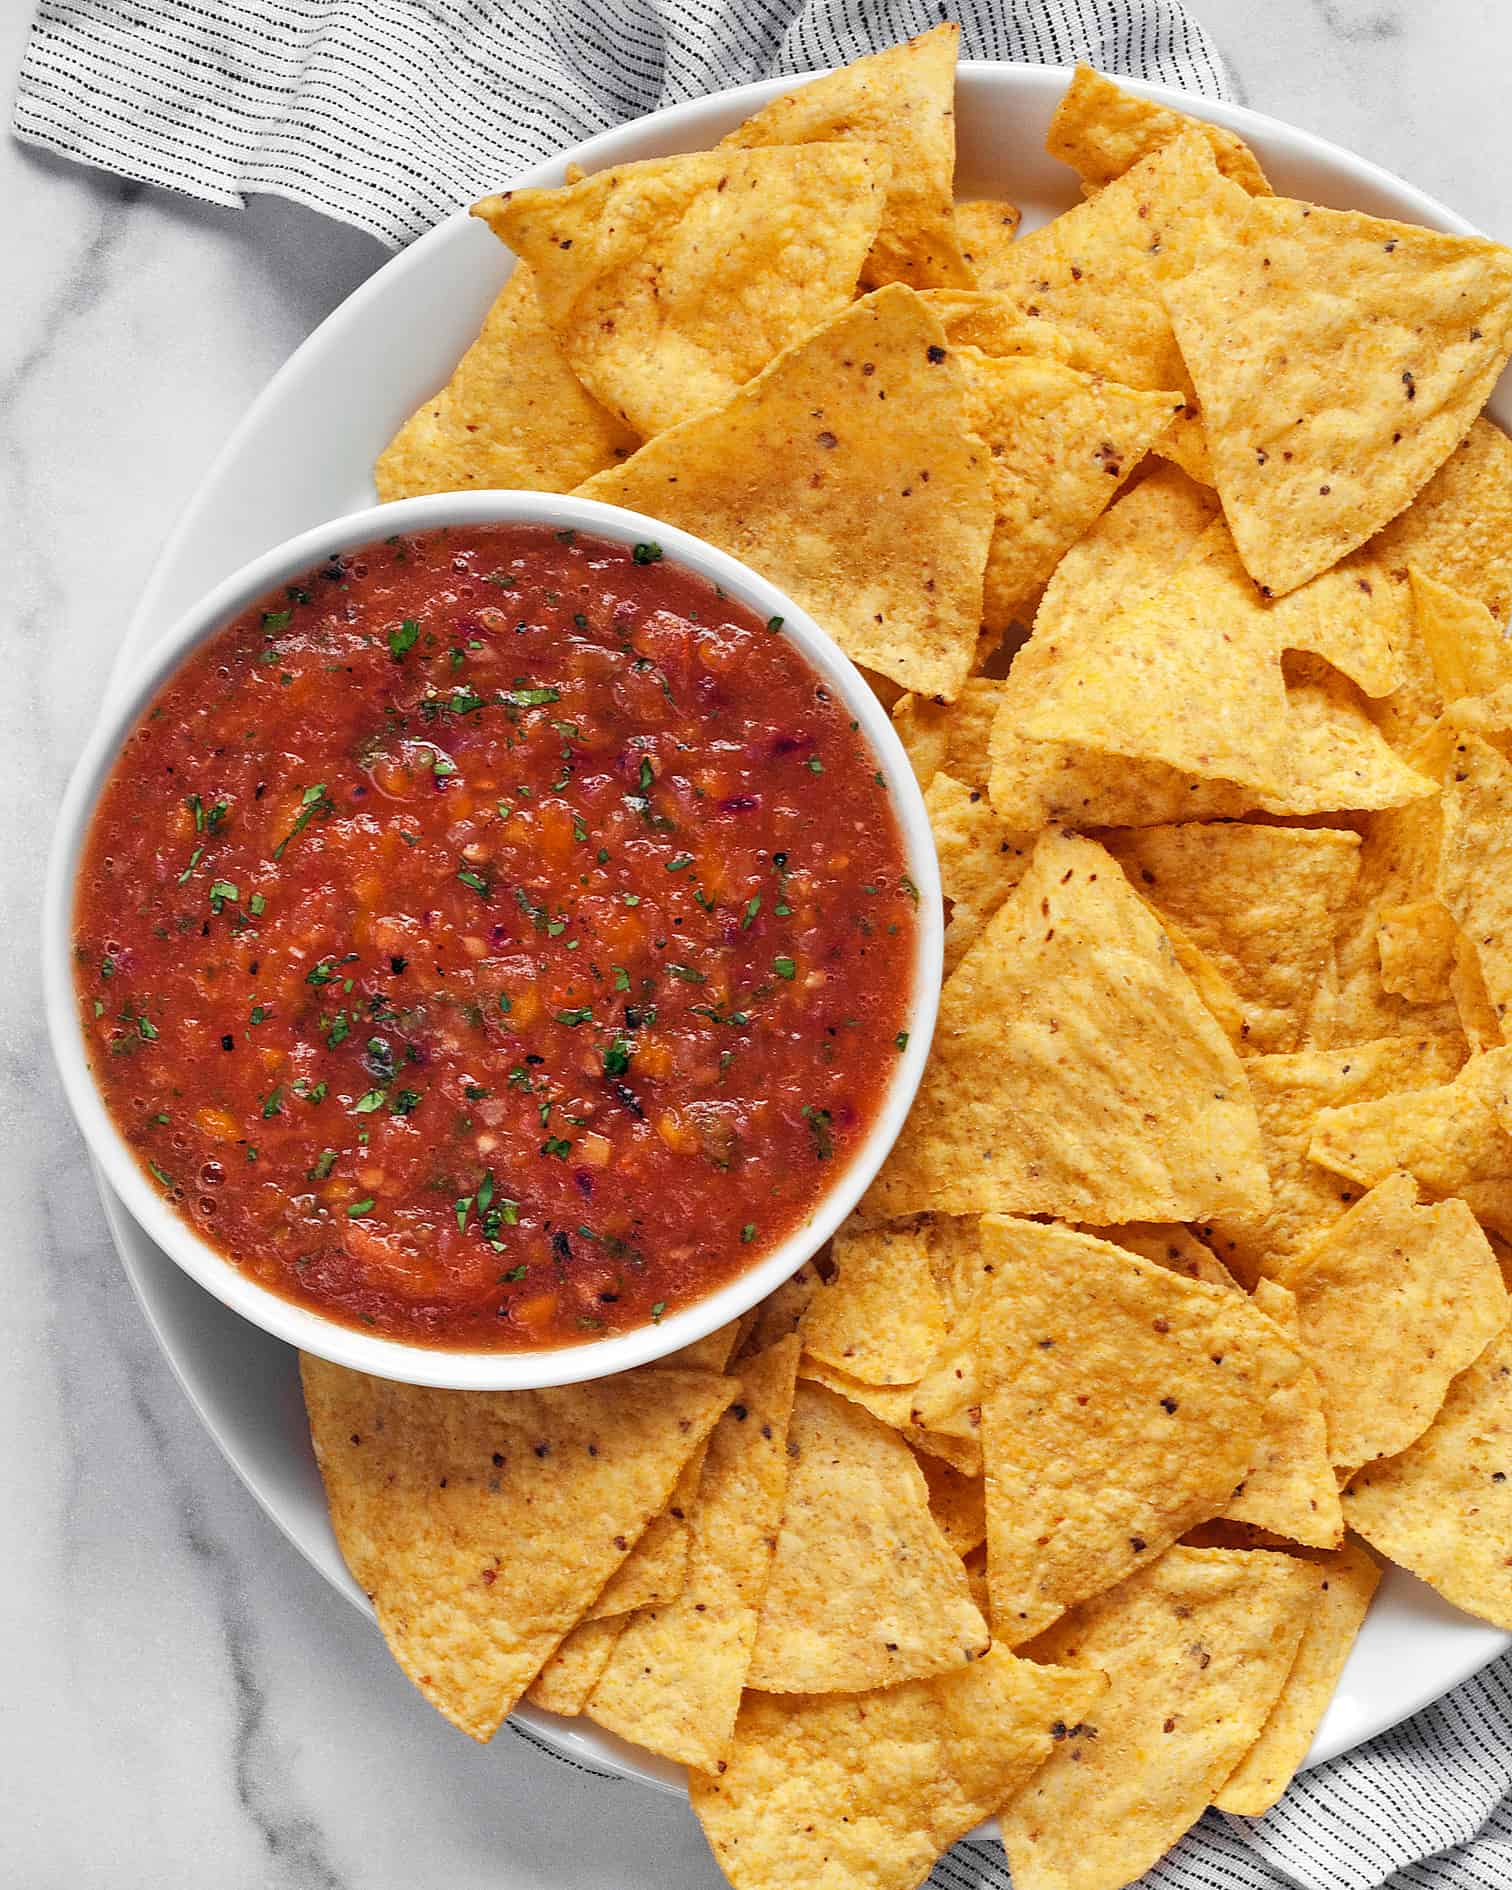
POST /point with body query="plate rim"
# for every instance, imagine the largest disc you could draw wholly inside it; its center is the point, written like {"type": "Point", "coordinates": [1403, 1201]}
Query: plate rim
{"type": "Point", "coordinates": [599, 1751]}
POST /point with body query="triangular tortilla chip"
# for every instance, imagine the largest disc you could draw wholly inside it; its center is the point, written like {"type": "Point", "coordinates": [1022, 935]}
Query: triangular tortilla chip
{"type": "Point", "coordinates": [982, 859]}
{"type": "Point", "coordinates": [711, 1353]}
{"type": "Point", "coordinates": [950, 737]}
{"type": "Point", "coordinates": [1475, 866]}
{"type": "Point", "coordinates": [957, 1503]}
{"type": "Point", "coordinates": [1262, 902]}
{"type": "Point", "coordinates": [1168, 1245]}
{"type": "Point", "coordinates": [564, 1684]}
{"type": "Point", "coordinates": [1291, 1491]}
{"type": "Point", "coordinates": [985, 226]}
{"type": "Point", "coordinates": [513, 414]}
{"type": "Point", "coordinates": [903, 99]}
{"type": "Point", "coordinates": [1099, 272]}
{"type": "Point", "coordinates": [669, 283]}
{"type": "Point", "coordinates": [880, 1317]}
{"type": "Point", "coordinates": [1289, 1092]}
{"type": "Point", "coordinates": [1443, 1508]}
{"type": "Point", "coordinates": [1394, 1301]}
{"type": "Point", "coordinates": [674, 1680]}
{"type": "Point", "coordinates": [1459, 526]}
{"type": "Point", "coordinates": [1075, 1070]}
{"type": "Point", "coordinates": [865, 1591]}
{"type": "Point", "coordinates": [979, 318]}
{"type": "Point", "coordinates": [893, 1405]}
{"type": "Point", "coordinates": [1470, 651]}
{"type": "Point", "coordinates": [1121, 1404]}
{"type": "Point", "coordinates": [843, 474]}
{"type": "Point", "coordinates": [1455, 1139]}
{"type": "Point", "coordinates": [1467, 987]}
{"type": "Point", "coordinates": [1059, 444]}
{"type": "Point", "coordinates": [865, 1792]}
{"type": "Point", "coordinates": [451, 1508]}
{"type": "Point", "coordinates": [1197, 1649]}
{"type": "Point", "coordinates": [1418, 943]}
{"type": "Point", "coordinates": [1300, 302]}
{"type": "Point", "coordinates": [1100, 130]}
{"type": "Point", "coordinates": [1349, 1580]}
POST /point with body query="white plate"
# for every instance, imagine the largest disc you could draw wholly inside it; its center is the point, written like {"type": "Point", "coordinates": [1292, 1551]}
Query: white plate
{"type": "Point", "coordinates": [304, 454]}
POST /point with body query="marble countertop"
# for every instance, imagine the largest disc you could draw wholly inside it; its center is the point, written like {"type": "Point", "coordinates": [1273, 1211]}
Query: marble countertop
{"type": "Point", "coordinates": [184, 1700]}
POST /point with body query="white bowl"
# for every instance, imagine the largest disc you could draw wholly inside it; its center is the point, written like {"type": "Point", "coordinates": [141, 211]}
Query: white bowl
{"type": "Point", "coordinates": [461, 1369]}
{"type": "Point", "coordinates": [387, 348]}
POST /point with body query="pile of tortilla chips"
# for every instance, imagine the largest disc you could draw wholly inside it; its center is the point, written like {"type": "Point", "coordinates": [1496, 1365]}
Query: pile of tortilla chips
{"type": "Point", "coordinates": [1173, 536]}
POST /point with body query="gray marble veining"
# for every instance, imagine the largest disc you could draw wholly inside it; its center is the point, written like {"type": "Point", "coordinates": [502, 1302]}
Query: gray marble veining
{"type": "Point", "coordinates": [184, 1702]}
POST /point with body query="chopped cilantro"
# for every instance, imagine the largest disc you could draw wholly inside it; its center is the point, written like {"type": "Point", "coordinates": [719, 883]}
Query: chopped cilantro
{"type": "Point", "coordinates": [785, 968]}
{"type": "Point", "coordinates": [649, 553]}
{"type": "Point", "coordinates": [273, 1102]}
{"type": "Point", "coordinates": [374, 1099]}
{"type": "Point", "coordinates": [404, 638]}
{"type": "Point", "coordinates": [313, 801]}
{"type": "Point", "coordinates": [325, 1161]}
{"type": "Point", "coordinates": [223, 894]}
{"type": "Point", "coordinates": [406, 1102]}
{"type": "Point", "coordinates": [359, 1208]}
{"type": "Point", "coordinates": [476, 880]}
{"type": "Point", "coordinates": [583, 1016]}
{"type": "Point", "coordinates": [819, 1121]}
{"type": "Point", "coordinates": [748, 1233]}
{"type": "Point", "coordinates": [901, 1040]}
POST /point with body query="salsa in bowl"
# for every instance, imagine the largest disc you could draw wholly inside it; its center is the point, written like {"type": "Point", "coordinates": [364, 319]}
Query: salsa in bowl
{"type": "Point", "coordinates": [500, 940]}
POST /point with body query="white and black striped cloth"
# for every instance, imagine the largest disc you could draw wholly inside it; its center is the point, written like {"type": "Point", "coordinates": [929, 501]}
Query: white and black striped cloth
{"type": "Point", "coordinates": [389, 114]}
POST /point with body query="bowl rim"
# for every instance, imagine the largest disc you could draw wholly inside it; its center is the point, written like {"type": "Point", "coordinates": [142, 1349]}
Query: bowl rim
{"type": "Point", "coordinates": [310, 1331]}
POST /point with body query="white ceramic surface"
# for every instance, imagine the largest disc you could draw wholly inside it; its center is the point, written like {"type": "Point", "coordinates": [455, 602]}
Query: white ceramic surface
{"type": "Point", "coordinates": [177, 1236]}
{"type": "Point", "coordinates": [340, 397]}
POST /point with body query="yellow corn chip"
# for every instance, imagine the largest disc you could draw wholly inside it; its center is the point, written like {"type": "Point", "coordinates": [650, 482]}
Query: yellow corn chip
{"type": "Point", "coordinates": [1184, 445]}
{"type": "Point", "coordinates": [1475, 866]}
{"type": "Point", "coordinates": [674, 1680]}
{"type": "Point", "coordinates": [904, 99]}
{"type": "Point", "coordinates": [780, 1313]}
{"type": "Point", "coordinates": [710, 1353]}
{"type": "Point", "coordinates": [1197, 1649]}
{"type": "Point", "coordinates": [1291, 1491]}
{"type": "Point", "coordinates": [978, 318]}
{"type": "Point", "coordinates": [1169, 1245]}
{"type": "Point", "coordinates": [1394, 1301]}
{"type": "Point", "coordinates": [865, 1590]}
{"type": "Point", "coordinates": [985, 226]}
{"type": "Point", "coordinates": [451, 1508]}
{"type": "Point", "coordinates": [1417, 943]}
{"type": "Point", "coordinates": [1356, 618]}
{"type": "Point", "coordinates": [1121, 1405]}
{"type": "Point", "coordinates": [865, 1792]}
{"type": "Point", "coordinates": [670, 283]}
{"type": "Point", "coordinates": [1075, 1070]}
{"type": "Point", "coordinates": [1305, 300]}
{"type": "Point", "coordinates": [513, 414]}
{"type": "Point", "coordinates": [1455, 1139]}
{"type": "Point", "coordinates": [982, 859]}
{"type": "Point", "coordinates": [1349, 1579]}
{"type": "Point", "coordinates": [1459, 526]}
{"type": "Point", "coordinates": [1467, 986]}
{"type": "Point", "coordinates": [1289, 1092]}
{"type": "Point", "coordinates": [843, 474]}
{"type": "Point", "coordinates": [1262, 902]}
{"type": "Point", "coordinates": [1469, 650]}
{"type": "Point", "coordinates": [564, 1684]}
{"type": "Point", "coordinates": [656, 1568]}
{"type": "Point", "coordinates": [1099, 272]}
{"type": "Point", "coordinates": [1443, 1508]}
{"type": "Point", "coordinates": [1059, 443]}
{"type": "Point", "coordinates": [1100, 130]}
{"type": "Point", "coordinates": [958, 1504]}
{"type": "Point", "coordinates": [950, 738]}
{"type": "Point", "coordinates": [880, 1318]}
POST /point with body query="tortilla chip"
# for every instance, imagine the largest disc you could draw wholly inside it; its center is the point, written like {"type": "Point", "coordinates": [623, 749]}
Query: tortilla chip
{"type": "Point", "coordinates": [1099, 272]}
{"type": "Point", "coordinates": [982, 859]}
{"type": "Point", "coordinates": [903, 98]}
{"type": "Point", "coordinates": [1263, 902]}
{"type": "Point", "coordinates": [1350, 1577]}
{"type": "Point", "coordinates": [656, 1568]}
{"type": "Point", "coordinates": [958, 1504]}
{"type": "Point", "coordinates": [814, 473]}
{"type": "Point", "coordinates": [1475, 866]}
{"type": "Point", "coordinates": [880, 1317]}
{"type": "Point", "coordinates": [1394, 1301]}
{"type": "Point", "coordinates": [977, 318]}
{"type": "Point", "coordinates": [865, 1792]}
{"type": "Point", "coordinates": [1289, 1092]}
{"type": "Point", "coordinates": [1184, 445]}
{"type": "Point", "coordinates": [1459, 526]}
{"type": "Point", "coordinates": [1417, 944]}
{"type": "Point", "coordinates": [513, 414]}
{"type": "Point", "coordinates": [1171, 1246]}
{"type": "Point", "coordinates": [1059, 442]}
{"type": "Point", "coordinates": [1478, 1017]}
{"type": "Point", "coordinates": [1291, 1491]}
{"type": "Point", "coordinates": [1101, 131]}
{"type": "Point", "coordinates": [1121, 1405]}
{"type": "Point", "coordinates": [950, 738]}
{"type": "Point", "coordinates": [865, 1590]}
{"type": "Point", "coordinates": [564, 1684]}
{"type": "Point", "coordinates": [780, 1313]}
{"type": "Point", "coordinates": [671, 282]}
{"type": "Point", "coordinates": [451, 1509]}
{"type": "Point", "coordinates": [1075, 1070]}
{"type": "Point", "coordinates": [1131, 551]}
{"type": "Point", "coordinates": [1470, 651]}
{"type": "Point", "coordinates": [893, 1405]}
{"type": "Point", "coordinates": [985, 226]}
{"type": "Point", "coordinates": [1197, 1649]}
{"type": "Point", "coordinates": [1304, 299]}
{"type": "Point", "coordinates": [674, 1680]}
{"type": "Point", "coordinates": [1455, 1139]}
{"type": "Point", "coordinates": [711, 1353]}
{"type": "Point", "coordinates": [1443, 1508]}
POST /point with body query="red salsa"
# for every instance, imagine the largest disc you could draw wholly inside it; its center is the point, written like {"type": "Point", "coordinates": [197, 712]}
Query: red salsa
{"type": "Point", "coordinates": [497, 938]}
